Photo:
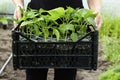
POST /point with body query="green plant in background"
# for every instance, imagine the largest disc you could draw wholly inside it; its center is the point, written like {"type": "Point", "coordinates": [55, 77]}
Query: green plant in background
{"type": "Point", "coordinates": [62, 24]}
{"type": "Point", "coordinates": [113, 73]}
{"type": "Point", "coordinates": [110, 37]}
{"type": "Point", "coordinates": [6, 21]}
{"type": "Point", "coordinates": [110, 26]}
{"type": "Point", "coordinates": [3, 20]}
{"type": "Point", "coordinates": [111, 48]}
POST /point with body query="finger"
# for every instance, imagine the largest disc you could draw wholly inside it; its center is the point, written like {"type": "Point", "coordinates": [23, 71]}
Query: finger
{"type": "Point", "coordinates": [18, 15]}
{"type": "Point", "coordinates": [14, 24]}
{"type": "Point", "coordinates": [99, 24]}
{"type": "Point", "coordinates": [98, 21]}
{"type": "Point", "coordinates": [91, 28]}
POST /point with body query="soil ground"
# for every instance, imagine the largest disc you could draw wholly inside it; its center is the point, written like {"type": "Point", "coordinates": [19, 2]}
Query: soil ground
{"type": "Point", "coordinates": [10, 74]}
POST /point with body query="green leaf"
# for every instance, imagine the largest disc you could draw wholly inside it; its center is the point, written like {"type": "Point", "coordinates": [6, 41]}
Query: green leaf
{"type": "Point", "coordinates": [90, 13]}
{"type": "Point", "coordinates": [91, 22]}
{"type": "Point", "coordinates": [56, 13]}
{"type": "Point", "coordinates": [83, 12]}
{"type": "Point", "coordinates": [27, 23]}
{"type": "Point", "coordinates": [57, 33]}
{"type": "Point", "coordinates": [74, 37]}
{"type": "Point", "coordinates": [69, 10]}
{"type": "Point", "coordinates": [68, 13]}
{"type": "Point", "coordinates": [65, 27]}
{"type": "Point", "coordinates": [32, 13]}
{"type": "Point", "coordinates": [28, 14]}
{"type": "Point", "coordinates": [77, 16]}
{"type": "Point", "coordinates": [37, 31]}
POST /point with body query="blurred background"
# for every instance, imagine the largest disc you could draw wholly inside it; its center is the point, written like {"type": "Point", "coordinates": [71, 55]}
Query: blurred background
{"type": "Point", "coordinates": [108, 6]}
{"type": "Point", "coordinates": [109, 41]}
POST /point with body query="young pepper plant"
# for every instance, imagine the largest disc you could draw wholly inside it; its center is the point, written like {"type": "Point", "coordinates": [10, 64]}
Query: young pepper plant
{"type": "Point", "coordinates": [62, 24]}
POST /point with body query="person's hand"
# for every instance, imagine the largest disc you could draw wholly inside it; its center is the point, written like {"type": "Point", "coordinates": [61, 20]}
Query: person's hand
{"type": "Point", "coordinates": [98, 21]}
{"type": "Point", "coordinates": [17, 14]}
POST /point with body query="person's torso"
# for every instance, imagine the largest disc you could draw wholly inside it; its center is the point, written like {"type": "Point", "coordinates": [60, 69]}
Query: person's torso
{"type": "Point", "coordinates": [51, 4]}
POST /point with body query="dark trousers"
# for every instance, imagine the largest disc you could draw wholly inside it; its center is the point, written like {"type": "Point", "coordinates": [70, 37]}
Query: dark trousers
{"type": "Point", "coordinates": [60, 74]}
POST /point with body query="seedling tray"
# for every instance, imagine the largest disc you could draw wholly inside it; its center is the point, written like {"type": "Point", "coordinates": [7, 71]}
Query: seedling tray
{"type": "Point", "coordinates": [28, 54]}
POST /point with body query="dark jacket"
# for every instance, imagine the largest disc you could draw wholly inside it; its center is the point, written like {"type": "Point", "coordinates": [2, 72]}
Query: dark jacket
{"type": "Point", "coordinates": [50, 4]}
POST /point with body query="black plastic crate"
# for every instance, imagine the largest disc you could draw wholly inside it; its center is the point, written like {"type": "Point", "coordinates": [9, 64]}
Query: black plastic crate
{"type": "Point", "coordinates": [81, 54]}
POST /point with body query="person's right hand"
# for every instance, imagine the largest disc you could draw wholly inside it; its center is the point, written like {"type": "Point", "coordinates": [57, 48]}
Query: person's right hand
{"type": "Point", "coordinates": [17, 14]}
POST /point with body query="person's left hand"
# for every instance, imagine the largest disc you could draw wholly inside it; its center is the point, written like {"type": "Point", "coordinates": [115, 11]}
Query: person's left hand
{"type": "Point", "coordinates": [98, 21]}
